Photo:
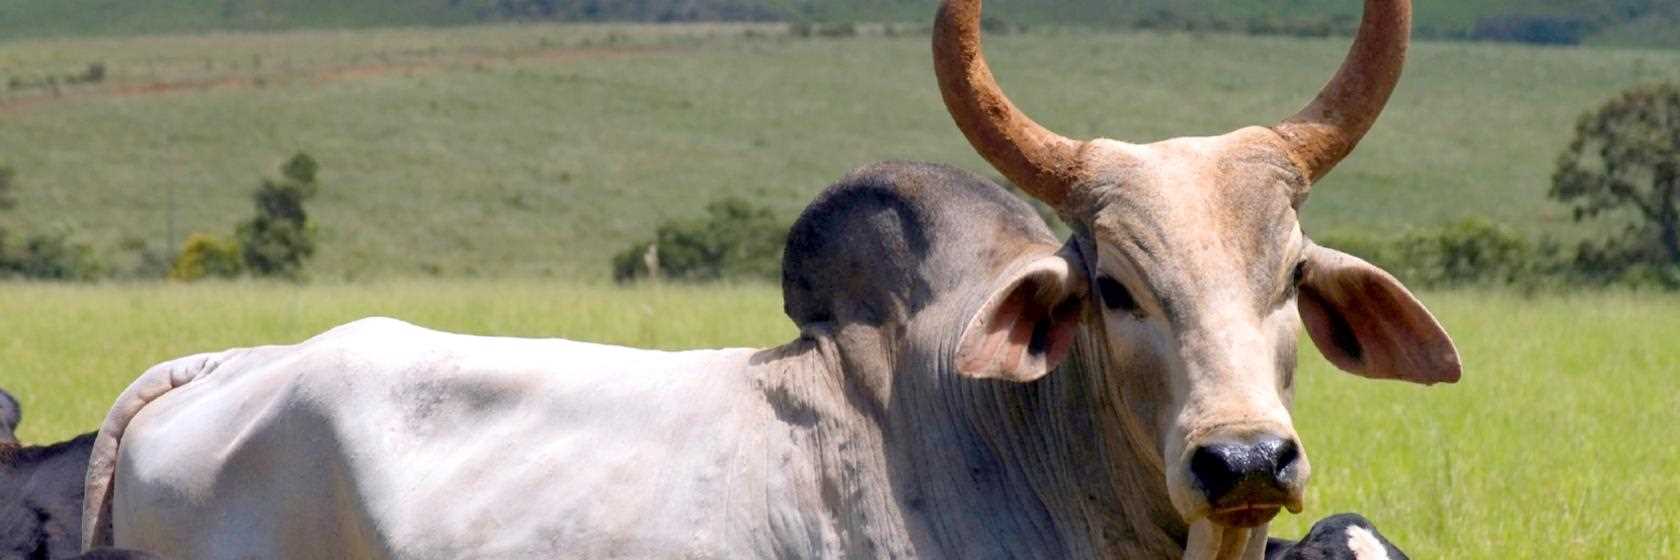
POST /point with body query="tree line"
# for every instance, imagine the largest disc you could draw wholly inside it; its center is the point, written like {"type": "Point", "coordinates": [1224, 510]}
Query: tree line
{"type": "Point", "coordinates": [275, 242]}
{"type": "Point", "coordinates": [1622, 167]}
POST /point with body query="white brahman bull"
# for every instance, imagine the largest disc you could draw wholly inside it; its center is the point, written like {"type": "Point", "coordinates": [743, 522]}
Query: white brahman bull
{"type": "Point", "coordinates": [964, 386]}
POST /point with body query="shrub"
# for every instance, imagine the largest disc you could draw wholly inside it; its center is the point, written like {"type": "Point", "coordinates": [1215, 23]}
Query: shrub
{"type": "Point", "coordinates": [1471, 251]}
{"type": "Point", "coordinates": [39, 256]}
{"type": "Point", "coordinates": [50, 257]}
{"type": "Point", "coordinates": [8, 188]}
{"type": "Point", "coordinates": [206, 255]}
{"type": "Point", "coordinates": [993, 25]}
{"type": "Point", "coordinates": [1539, 30]}
{"type": "Point", "coordinates": [837, 30]}
{"type": "Point", "coordinates": [736, 240]}
{"type": "Point", "coordinates": [278, 240]}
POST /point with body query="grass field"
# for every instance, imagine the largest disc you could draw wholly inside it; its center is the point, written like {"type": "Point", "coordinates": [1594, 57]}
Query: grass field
{"type": "Point", "coordinates": [1558, 443]}
{"type": "Point", "coordinates": [540, 150]}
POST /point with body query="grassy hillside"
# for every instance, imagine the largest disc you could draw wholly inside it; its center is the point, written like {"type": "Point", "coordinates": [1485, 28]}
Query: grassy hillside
{"type": "Point", "coordinates": [1558, 443]}
{"type": "Point", "coordinates": [541, 150]}
{"type": "Point", "coordinates": [1624, 22]}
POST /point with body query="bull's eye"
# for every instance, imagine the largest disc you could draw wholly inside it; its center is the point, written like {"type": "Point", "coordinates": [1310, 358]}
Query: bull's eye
{"type": "Point", "coordinates": [1115, 296]}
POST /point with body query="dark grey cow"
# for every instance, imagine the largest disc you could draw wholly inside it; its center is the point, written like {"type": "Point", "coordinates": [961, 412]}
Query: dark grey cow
{"type": "Point", "coordinates": [1344, 536]}
{"type": "Point", "coordinates": [41, 496]}
{"type": "Point", "coordinates": [10, 414]}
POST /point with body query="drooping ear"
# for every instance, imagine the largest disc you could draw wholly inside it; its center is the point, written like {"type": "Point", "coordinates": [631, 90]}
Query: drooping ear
{"type": "Point", "coordinates": [1027, 324]}
{"type": "Point", "coordinates": [1365, 322]}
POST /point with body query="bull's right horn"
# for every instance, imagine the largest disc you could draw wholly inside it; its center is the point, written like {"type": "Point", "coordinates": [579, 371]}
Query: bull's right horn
{"type": "Point", "coordinates": [1326, 131]}
{"type": "Point", "coordinates": [1043, 163]}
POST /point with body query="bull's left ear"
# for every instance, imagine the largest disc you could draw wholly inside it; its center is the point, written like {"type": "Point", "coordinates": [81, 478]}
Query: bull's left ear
{"type": "Point", "coordinates": [1027, 324]}
{"type": "Point", "coordinates": [1365, 322]}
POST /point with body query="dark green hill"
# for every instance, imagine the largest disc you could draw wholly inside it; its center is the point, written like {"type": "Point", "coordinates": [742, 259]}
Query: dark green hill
{"type": "Point", "coordinates": [1617, 22]}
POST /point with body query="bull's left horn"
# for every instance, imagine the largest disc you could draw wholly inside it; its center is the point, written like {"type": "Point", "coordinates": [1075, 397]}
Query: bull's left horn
{"type": "Point", "coordinates": [1327, 130]}
{"type": "Point", "coordinates": [1043, 163]}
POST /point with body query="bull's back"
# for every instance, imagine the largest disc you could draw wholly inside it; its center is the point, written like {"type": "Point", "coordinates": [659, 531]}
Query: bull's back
{"type": "Point", "coordinates": [381, 439]}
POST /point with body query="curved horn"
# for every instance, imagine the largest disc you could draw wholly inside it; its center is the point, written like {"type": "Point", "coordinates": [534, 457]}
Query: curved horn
{"type": "Point", "coordinates": [1327, 130]}
{"type": "Point", "coordinates": [1043, 163]}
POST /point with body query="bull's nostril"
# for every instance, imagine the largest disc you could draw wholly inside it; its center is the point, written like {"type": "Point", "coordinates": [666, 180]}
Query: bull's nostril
{"type": "Point", "coordinates": [1216, 468]}
{"type": "Point", "coordinates": [1286, 454]}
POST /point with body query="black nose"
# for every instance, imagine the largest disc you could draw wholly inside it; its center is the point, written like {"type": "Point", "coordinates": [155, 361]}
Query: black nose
{"type": "Point", "coordinates": [1239, 473]}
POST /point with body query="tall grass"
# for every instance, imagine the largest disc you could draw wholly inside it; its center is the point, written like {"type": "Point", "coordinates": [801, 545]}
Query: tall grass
{"type": "Point", "coordinates": [1559, 441]}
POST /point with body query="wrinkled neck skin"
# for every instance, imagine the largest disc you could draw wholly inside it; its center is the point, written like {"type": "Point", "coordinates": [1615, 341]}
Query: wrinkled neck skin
{"type": "Point", "coordinates": [1065, 467]}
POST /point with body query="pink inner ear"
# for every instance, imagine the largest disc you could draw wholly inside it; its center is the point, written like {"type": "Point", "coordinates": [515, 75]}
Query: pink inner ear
{"type": "Point", "coordinates": [1002, 344]}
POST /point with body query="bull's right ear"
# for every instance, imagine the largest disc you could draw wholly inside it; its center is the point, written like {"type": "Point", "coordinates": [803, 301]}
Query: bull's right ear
{"type": "Point", "coordinates": [1027, 324]}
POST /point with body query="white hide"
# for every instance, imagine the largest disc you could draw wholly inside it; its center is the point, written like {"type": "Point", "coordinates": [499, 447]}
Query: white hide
{"type": "Point", "coordinates": [380, 439]}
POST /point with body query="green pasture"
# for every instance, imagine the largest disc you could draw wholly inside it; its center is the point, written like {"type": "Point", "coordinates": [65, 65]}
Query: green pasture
{"type": "Point", "coordinates": [1558, 443]}
{"type": "Point", "coordinates": [540, 150]}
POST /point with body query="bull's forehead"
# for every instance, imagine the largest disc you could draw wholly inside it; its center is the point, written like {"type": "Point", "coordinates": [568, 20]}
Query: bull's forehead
{"type": "Point", "coordinates": [1196, 217]}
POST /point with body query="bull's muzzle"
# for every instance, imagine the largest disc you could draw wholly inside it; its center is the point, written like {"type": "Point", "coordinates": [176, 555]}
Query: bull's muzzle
{"type": "Point", "coordinates": [1247, 482]}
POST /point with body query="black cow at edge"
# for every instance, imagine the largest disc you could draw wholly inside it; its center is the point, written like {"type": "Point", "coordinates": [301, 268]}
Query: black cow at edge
{"type": "Point", "coordinates": [1344, 536]}
{"type": "Point", "coordinates": [41, 495]}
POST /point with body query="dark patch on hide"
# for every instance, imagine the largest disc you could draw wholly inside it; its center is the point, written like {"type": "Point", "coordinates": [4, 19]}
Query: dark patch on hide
{"type": "Point", "coordinates": [449, 402]}
{"type": "Point", "coordinates": [790, 409]}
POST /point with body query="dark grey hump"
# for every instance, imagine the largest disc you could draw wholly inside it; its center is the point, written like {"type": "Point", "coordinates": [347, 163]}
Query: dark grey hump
{"type": "Point", "coordinates": [887, 238]}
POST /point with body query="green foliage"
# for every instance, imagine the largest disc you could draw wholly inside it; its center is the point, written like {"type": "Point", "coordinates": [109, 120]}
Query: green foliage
{"type": "Point", "coordinates": [278, 240]}
{"type": "Point", "coordinates": [1472, 251]}
{"type": "Point", "coordinates": [41, 256]}
{"type": "Point", "coordinates": [1625, 162]}
{"type": "Point", "coordinates": [207, 256]}
{"type": "Point", "coordinates": [49, 256]}
{"type": "Point", "coordinates": [736, 240]}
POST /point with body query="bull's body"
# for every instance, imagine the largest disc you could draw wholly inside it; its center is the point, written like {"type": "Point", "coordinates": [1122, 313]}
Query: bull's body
{"type": "Point", "coordinates": [965, 385]}
{"type": "Point", "coordinates": [427, 444]}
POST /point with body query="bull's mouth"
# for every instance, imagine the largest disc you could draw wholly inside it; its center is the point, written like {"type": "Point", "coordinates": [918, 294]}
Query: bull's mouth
{"type": "Point", "coordinates": [1244, 516]}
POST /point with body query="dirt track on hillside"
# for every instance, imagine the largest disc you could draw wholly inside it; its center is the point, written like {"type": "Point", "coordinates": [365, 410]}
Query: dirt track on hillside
{"type": "Point", "coordinates": [313, 76]}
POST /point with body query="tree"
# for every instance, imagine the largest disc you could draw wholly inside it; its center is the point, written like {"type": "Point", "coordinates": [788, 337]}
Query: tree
{"type": "Point", "coordinates": [1625, 160]}
{"type": "Point", "coordinates": [278, 240]}
{"type": "Point", "coordinates": [737, 239]}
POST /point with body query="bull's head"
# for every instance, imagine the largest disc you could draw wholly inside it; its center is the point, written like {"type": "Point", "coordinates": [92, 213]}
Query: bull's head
{"type": "Point", "coordinates": [1200, 271]}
